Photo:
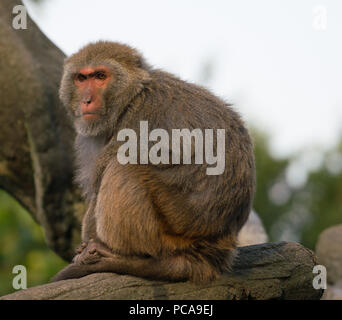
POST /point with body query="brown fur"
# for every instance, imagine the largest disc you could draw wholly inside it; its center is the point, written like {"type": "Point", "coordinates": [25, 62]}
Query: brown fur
{"type": "Point", "coordinates": [171, 222]}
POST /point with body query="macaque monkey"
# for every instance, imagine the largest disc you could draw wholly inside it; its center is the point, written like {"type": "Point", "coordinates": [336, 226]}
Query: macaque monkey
{"type": "Point", "coordinates": [158, 221]}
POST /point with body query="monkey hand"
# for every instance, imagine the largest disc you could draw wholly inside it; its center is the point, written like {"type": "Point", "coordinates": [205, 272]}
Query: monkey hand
{"type": "Point", "coordinates": [92, 252]}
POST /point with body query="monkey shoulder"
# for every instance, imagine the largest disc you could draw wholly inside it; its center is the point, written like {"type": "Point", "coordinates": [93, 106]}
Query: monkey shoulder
{"type": "Point", "coordinates": [178, 103]}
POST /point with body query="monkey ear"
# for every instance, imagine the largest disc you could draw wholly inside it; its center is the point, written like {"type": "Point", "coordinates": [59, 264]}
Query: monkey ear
{"type": "Point", "coordinates": [141, 62]}
{"type": "Point", "coordinates": [143, 70]}
{"type": "Point", "coordinates": [145, 77]}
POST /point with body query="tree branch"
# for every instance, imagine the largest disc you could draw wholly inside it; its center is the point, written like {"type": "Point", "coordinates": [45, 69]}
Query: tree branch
{"type": "Point", "coordinates": [281, 270]}
{"type": "Point", "coordinates": [36, 136]}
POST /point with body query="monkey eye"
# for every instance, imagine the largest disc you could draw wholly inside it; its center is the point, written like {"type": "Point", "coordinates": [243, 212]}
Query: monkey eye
{"type": "Point", "coordinates": [100, 75]}
{"type": "Point", "coordinates": [80, 77]}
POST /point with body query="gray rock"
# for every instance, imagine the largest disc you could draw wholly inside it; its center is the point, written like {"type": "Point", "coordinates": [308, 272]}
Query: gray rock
{"type": "Point", "coordinates": [253, 232]}
{"type": "Point", "coordinates": [333, 292]}
{"type": "Point", "coordinates": [329, 252]}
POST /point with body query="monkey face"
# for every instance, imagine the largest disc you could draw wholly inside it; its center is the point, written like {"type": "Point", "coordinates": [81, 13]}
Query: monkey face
{"type": "Point", "coordinates": [98, 83]}
{"type": "Point", "coordinates": [91, 82]}
{"type": "Point", "coordinates": [88, 103]}
{"type": "Point", "coordinates": [88, 92]}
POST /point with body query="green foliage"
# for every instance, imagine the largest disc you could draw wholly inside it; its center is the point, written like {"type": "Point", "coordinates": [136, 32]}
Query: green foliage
{"type": "Point", "coordinates": [325, 189]}
{"type": "Point", "coordinates": [269, 171]}
{"type": "Point", "coordinates": [297, 212]}
{"type": "Point", "coordinates": [22, 243]}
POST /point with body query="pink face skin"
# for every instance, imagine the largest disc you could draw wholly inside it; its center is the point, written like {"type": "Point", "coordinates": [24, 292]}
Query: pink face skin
{"type": "Point", "coordinates": [91, 82]}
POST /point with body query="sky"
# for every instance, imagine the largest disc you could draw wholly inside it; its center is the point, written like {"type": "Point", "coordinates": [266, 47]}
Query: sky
{"type": "Point", "coordinates": [279, 62]}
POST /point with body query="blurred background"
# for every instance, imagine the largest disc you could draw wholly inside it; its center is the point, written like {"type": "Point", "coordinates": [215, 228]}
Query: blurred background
{"type": "Point", "coordinates": [278, 62]}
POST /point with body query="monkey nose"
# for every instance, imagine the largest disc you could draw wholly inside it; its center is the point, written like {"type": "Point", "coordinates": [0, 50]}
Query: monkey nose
{"type": "Point", "coordinates": [86, 101]}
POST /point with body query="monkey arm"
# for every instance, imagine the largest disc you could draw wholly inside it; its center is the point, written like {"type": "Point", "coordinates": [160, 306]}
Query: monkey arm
{"type": "Point", "coordinates": [89, 223]}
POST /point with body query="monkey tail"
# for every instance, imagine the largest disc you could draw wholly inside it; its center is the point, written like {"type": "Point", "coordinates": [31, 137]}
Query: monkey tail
{"type": "Point", "coordinates": [74, 271]}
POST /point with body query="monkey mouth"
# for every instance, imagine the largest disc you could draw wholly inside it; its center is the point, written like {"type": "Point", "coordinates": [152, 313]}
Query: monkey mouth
{"type": "Point", "coordinates": [90, 116]}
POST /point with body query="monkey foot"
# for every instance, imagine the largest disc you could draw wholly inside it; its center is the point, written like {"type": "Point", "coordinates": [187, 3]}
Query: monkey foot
{"type": "Point", "coordinates": [81, 247]}
{"type": "Point", "coordinates": [92, 252]}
